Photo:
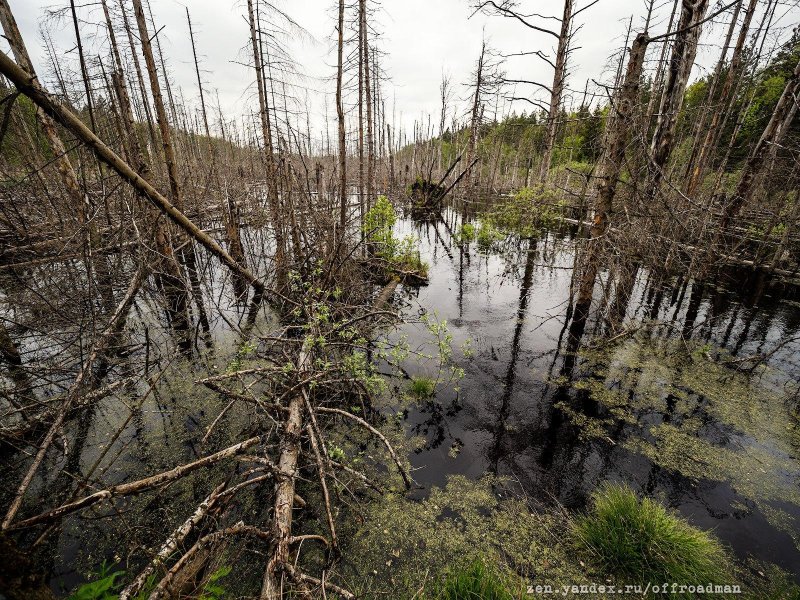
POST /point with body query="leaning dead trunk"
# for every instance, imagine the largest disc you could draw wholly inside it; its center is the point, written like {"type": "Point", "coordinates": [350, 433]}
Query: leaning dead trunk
{"type": "Point", "coordinates": [772, 135]}
{"type": "Point", "coordinates": [80, 204]}
{"type": "Point", "coordinates": [28, 85]}
{"type": "Point", "coordinates": [609, 171]}
{"type": "Point", "coordinates": [680, 66]}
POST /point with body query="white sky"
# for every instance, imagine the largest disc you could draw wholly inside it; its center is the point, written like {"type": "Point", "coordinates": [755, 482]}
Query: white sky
{"type": "Point", "coordinates": [421, 40]}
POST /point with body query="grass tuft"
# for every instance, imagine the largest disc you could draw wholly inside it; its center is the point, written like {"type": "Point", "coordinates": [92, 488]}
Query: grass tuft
{"type": "Point", "coordinates": [422, 388]}
{"type": "Point", "coordinates": [641, 540]}
{"type": "Point", "coordinates": [475, 582]}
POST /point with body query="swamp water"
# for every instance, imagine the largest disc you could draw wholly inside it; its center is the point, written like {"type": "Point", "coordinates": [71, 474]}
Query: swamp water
{"type": "Point", "coordinates": [669, 408]}
{"type": "Point", "coordinates": [531, 421]}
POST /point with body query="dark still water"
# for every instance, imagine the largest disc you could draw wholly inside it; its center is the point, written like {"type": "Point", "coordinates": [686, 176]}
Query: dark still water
{"type": "Point", "coordinates": [669, 410]}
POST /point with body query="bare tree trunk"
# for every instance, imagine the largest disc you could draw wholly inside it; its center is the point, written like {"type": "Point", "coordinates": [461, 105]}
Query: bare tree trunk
{"type": "Point", "coordinates": [342, 132]}
{"type": "Point", "coordinates": [390, 141]}
{"type": "Point", "coordinates": [139, 76]}
{"type": "Point", "coordinates": [368, 97]}
{"type": "Point", "coordinates": [701, 120]}
{"type": "Point", "coordinates": [474, 126]}
{"type": "Point", "coordinates": [766, 23]}
{"type": "Point", "coordinates": [712, 132]}
{"type": "Point", "coordinates": [62, 161]}
{"type": "Point", "coordinates": [557, 91]}
{"type": "Point", "coordinates": [361, 35]}
{"type": "Point", "coordinates": [175, 290]}
{"type": "Point", "coordinates": [79, 199]}
{"type": "Point", "coordinates": [229, 214]}
{"type": "Point", "coordinates": [29, 85]}
{"type": "Point", "coordinates": [773, 134]}
{"type": "Point", "coordinates": [655, 91]}
{"type": "Point", "coordinates": [272, 179]}
{"type": "Point", "coordinates": [609, 169]}
{"type": "Point", "coordinates": [680, 66]}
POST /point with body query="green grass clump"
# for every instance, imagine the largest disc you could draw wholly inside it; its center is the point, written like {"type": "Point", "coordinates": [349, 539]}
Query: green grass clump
{"type": "Point", "coordinates": [422, 387]}
{"type": "Point", "coordinates": [641, 540]}
{"type": "Point", "coordinates": [475, 582]}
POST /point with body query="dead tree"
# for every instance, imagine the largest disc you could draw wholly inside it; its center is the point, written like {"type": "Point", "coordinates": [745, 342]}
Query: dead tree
{"type": "Point", "coordinates": [81, 203]}
{"type": "Point", "coordinates": [273, 199]}
{"type": "Point", "coordinates": [772, 136]}
{"type": "Point", "coordinates": [556, 89]}
{"type": "Point", "coordinates": [62, 161]}
{"type": "Point", "coordinates": [710, 135]}
{"type": "Point", "coordinates": [476, 113]}
{"type": "Point", "coordinates": [230, 216]}
{"type": "Point", "coordinates": [148, 113]}
{"type": "Point", "coordinates": [486, 80]}
{"type": "Point", "coordinates": [658, 79]}
{"type": "Point", "coordinates": [29, 85]}
{"type": "Point", "coordinates": [175, 290]}
{"type": "Point", "coordinates": [680, 66]}
{"type": "Point", "coordinates": [368, 100]}
{"type": "Point", "coordinates": [609, 169]}
{"type": "Point", "coordinates": [342, 131]}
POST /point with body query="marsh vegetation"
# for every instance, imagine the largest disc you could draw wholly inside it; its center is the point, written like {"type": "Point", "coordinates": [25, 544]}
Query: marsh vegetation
{"type": "Point", "coordinates": [508, 350]}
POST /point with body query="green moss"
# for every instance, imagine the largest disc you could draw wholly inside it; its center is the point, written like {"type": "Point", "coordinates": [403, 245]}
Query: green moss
{"type": "Point", "coordinates": [406, 544]}
{"type": "Point", "coordinates": [639, 541]}
{"type": "Point", "coordinates": [711, 422]}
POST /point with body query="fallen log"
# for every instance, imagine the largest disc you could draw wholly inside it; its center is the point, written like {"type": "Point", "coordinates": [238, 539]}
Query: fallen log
{"type": "Point", "coordinates": [284, 487]}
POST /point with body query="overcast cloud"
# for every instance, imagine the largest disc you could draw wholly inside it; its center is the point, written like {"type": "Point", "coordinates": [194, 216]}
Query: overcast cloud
{"type": "Point", "coordinates": [421, 40]}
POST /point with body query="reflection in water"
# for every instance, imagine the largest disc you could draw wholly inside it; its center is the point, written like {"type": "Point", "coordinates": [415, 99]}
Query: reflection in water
{"type": "Point", "coordinates": [528, 407]}
{"type": "Point", "coordinates": [496, 451]}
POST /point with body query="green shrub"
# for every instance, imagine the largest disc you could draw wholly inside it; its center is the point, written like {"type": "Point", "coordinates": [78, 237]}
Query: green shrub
{"type": "Point", "coordinates": [378, 224]}
{"type": "Point", "coordinates": [528, 211]}
{"type": "Point", "coordinates": [487, 235]}
{"type": "Point", "coordinates": [642, 541]}
{"type": "Point", "coordinates": [467, 233]}
{"type": "Point", "coordinates": [475, 582]}
{"type": "Point", "coordinates": [401, 254]}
